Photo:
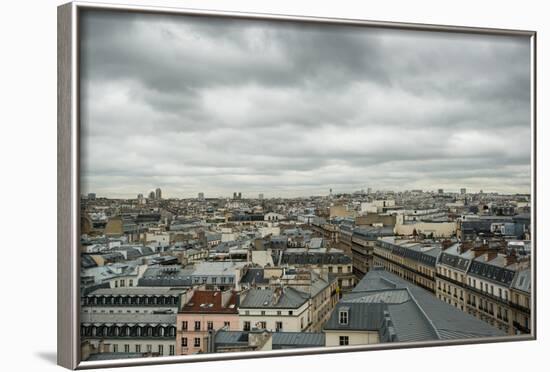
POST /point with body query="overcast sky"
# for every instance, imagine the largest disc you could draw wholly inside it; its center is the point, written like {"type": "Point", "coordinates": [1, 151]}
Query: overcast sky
{"type": "Point", "coordinates": [192, 104]}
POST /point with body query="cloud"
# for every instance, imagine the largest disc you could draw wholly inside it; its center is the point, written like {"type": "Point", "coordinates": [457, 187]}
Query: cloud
{"type": "Point", "coordinates": [200, 104]}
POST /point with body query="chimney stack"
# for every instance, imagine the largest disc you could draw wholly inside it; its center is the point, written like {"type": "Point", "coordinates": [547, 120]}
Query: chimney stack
{"type": "Point", "coordinates": [511, 258]}
{"type": "Point", "coordinates": [491, 255]}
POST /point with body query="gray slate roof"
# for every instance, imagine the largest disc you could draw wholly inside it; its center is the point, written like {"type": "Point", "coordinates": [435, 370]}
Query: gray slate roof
{"type": "Point", "coordinates": [163, 276]}
{"type": "Point", "coordinates": [280, 340]}
{"type": "Point", "coordinates": [402, 311]}
{"type": "Point", "coordinates": [257, 298]}
{"type": "Point", "coordinates": [286, 340]}
{"type": "Point", "coordinates": [127, 318]}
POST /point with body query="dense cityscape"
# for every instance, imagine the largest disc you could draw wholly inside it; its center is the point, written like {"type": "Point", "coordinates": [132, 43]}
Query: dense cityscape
{"type": "Point", "coordinates": [165, 276]}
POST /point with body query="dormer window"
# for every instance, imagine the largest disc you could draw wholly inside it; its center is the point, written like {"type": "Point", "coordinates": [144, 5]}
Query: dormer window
{"type": "Point", "coordinates": [343, 316]}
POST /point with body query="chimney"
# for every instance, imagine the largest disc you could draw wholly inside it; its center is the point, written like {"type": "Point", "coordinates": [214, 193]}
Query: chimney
{"type": "Point", "coordinates": [511, 258]}
{"type": "Point", "coordinates": [277, 295]}
{"type": "Point", "coordinates": [491, 255]}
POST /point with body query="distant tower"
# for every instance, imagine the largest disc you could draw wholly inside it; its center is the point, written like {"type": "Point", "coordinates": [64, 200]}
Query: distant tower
{"type": "Point", "coordinates": [91, 196]}
{"type": "Point", "coordinates": [261, 196]}
{"type": "Point", "coordinates": [201, 196]}
{"type": "Point", "coordinates": [152, 195]}
{"type": "Point", "coordinates": [158, 194]}
{"type": "Point", "coordinates": [462, 191]}
{"type": "Point", "coordinates": [240, 196]}
{"type": "Point", "coordinates": [234, 195]}
{"type": "Point", "coordinates": [140, 199]}
{"type": "Point", "coordinates": [440, 191]}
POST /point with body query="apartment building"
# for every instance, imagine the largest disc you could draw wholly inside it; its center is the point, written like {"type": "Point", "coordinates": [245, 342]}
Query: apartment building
{"type": "Point", "coordinates": [384, 307]}
{"type": "Point", "coordinates": [363, 241]}
{"type": "Point", "coordinates": [493, 286]}
{"type": "Point", "coordinates": [131, 320]}
{"type": "Point", "coordinates": [205, 312]}
{"type": "Point", "coordinates": [411, 259]}
{"type": "Point", "coordinates": [274, 309]}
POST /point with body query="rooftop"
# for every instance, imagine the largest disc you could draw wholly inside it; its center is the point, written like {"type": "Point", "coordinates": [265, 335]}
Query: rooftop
{"type": "Point", "coordinates": [211, 302]}
{"type": "Point", "coordinates": [401, 311]}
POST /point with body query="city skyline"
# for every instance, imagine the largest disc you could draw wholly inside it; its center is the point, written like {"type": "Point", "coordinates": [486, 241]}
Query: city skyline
{"type": "Point", "coordinates": [274, 196]}
{"type": "Point", "coordinates": [293, 110]}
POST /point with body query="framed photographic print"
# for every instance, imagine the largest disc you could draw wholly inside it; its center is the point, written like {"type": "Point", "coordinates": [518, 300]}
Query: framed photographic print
{"type": "Point", "coordinates": [235, 185]}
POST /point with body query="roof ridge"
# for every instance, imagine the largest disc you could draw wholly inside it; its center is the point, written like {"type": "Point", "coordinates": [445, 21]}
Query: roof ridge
{"type": "Point", "coordinates": [432, 325]}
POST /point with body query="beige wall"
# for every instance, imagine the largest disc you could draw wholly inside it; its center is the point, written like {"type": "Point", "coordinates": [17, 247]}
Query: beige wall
{"type": "Point", "coordinates": [355, 337]}
{"type": "Point", "coordinates": [109, 345]}
{"type": "Point", "coordinates": [439, 229]}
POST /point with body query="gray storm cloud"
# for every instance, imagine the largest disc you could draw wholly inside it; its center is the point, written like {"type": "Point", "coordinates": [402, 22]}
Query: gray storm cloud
{"type": "Point", "coordinates": [197, 104]}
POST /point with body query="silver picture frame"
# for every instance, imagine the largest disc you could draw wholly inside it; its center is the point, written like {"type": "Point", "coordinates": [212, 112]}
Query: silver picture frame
{"type": "Point", "coordinates": [68, 196]}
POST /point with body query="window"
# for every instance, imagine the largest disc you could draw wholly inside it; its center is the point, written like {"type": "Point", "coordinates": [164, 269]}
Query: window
{"type": "Point", "coordinates": [122, 282]}
{"type": "Point", "coordinates": [290, 312]}
{"type": "Point", "coordinates": [149, 348]}
{"type": "Point", "coordinates": [131, 282]}
{"type": "Point", "coordinates": [184, 325]}
{"type": "Point", "coordinates": [138, 348]}
{"type": "Point", "coordinates": [214, 280]}
{"type": "Point", "coordinates": [115, 348]}
{"type": "Point", "coordinates": [116, 283]}
{"type": "Point", "coordinates": [500, 292]}
{"type": "Point", "coordinates": [227, 324]}
{"type": "Point", "coordinates": [246, 326]}
{"type": "Point", "coordinates": [161, 349]}
{"type": "Point", "coordinates": [197, 342]}
{"type": "Point", "coordinates": [330, 269]}
{"type": "Point", "coordinates": [184, 342]}
{"type": "Point", "coordinates": [204, 280]}
{"type": "Point", "coordinates": [344, 340]}
{"type": "Point", "coordinates": [343, 317]}
{"type": "Point", "coordinates": [197, 325]}
{"type": "Point", "coordinates": [339, 269]}
{"type": "Point", "coordinates": [278, 312]}
{"type": "Point", "coordinates": [210, 326]}
{"type": "Point", "coordinates": [126, 348]}
{"type": "Point", "coordinates": [172, 350]}
{"type": "Point", "coordinates": [278, 326]}
{"type": "Point", "coordinates": [262, 325]}
{"type": "Point", "coordinates": [263, 312]}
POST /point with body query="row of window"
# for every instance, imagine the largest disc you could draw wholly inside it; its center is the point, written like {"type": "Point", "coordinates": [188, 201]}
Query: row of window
{"type": "Point", "coordinates": [122, 283]}
{"type": "Point", "coordinates": [279, 312]}
{"type": "Point", "coordinates": [128, 331]}
{"type": "Point", "coordinates": [94, 311]}
{"type": "Point", "coordinates": [129, 300]}
{"type": "Point", "coordinates": [263, 325]}
{"type": "Point", "coordinates": [213, 280]}
{"type": "Point", "coordinates": [148, 348]}
{"type": "Point", "coordinates": [196, 342]}
{"type": "Point", "coordinates": [197, 325]}
{"type": "Point", "coordinates": [339, 269]}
